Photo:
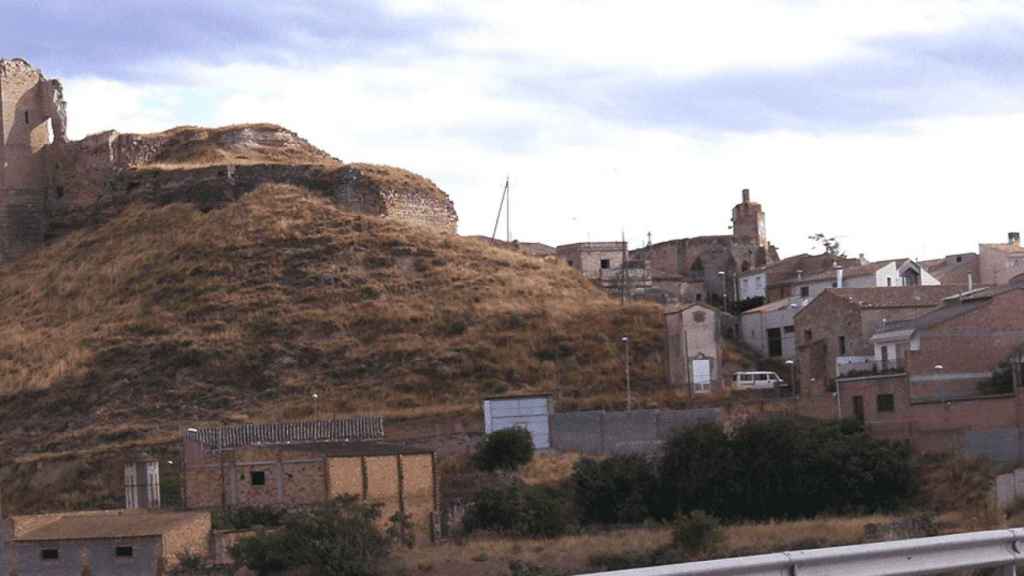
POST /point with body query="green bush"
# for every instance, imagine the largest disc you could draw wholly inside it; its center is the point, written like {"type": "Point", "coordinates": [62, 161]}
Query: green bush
{"type": "Point", "coordinates": [783, 467]}
{"type": "Point", "coordinates": [515, 508]}
{"type": "Point", "coordinates": [696, 533]}
{"type": "Point", "coordinates": [507, 449]}
{"type": "Point", "coordinates": [616, 490]}
{"type": "Point", "coordinates": [340, 538]}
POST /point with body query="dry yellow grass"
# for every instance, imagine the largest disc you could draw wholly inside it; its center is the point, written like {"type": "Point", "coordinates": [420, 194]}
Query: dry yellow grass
{"type": "Point", "coordinates": [572, 554]}
{"type": "Point", "coordinates": [171, 315]}
{"type": "Point", "coordinates": [549, 467]}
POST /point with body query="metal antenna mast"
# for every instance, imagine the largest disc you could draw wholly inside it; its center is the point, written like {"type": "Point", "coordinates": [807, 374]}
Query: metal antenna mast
{"type": "Point", "coordinates": [506, 205]}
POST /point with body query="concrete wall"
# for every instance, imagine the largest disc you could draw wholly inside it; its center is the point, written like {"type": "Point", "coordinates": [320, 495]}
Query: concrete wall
{"type": "Point", "coordinates": [147, 557]}
{"type": "Point", "coordinates": [599, 432]}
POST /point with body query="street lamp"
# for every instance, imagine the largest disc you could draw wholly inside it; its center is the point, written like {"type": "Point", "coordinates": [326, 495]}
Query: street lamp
{"type": "Point", "coordinates": [942, 383]}
{"type": "Point", "coordinates": [316, 406]}
{"type": "Point", "coordinates": [792, 375]}
{"type": "Point", "coordinates": [725, 290]}
{"type": "Point", "coordinates": [629, 390]}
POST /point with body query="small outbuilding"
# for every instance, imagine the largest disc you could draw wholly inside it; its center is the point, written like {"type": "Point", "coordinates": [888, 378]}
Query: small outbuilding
{"type": "Point", "coordinates": [529, 412]}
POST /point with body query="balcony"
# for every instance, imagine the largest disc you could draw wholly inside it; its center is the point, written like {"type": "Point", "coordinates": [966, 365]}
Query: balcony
{"type": "Point", "coordinates": [859, 366]}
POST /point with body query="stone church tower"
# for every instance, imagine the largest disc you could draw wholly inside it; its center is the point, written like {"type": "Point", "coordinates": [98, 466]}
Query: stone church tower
{"type": "Point", "coordinates": [748, 222]}
{"type": "Point", "coordinates": [32, 116]}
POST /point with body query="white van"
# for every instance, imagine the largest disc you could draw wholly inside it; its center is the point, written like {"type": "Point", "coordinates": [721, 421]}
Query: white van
{"type": "Point", "coordinates": [756, 380]}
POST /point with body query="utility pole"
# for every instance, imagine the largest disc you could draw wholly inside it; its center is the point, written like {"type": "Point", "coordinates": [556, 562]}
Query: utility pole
{"type": "Point", "coordinates": [623, 275]}
{"type": "Point", "coordinates": [629, 390]}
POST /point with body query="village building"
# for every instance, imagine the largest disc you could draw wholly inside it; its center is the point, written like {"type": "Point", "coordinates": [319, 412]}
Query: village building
{"type": "Point", "coordinates": [275, 467]}
{"type": "Point", "coordinates": [774, 282]}
{"type": "Point", "coordinates": [769, 329]}
{"type": "Point", "coordinates": [694, 335]}
{"type": "Point", "coordinates": [114, 542]}
{"type": "Point", "coordinates": [1001, 263]}
{"type": "Point", "coordinates": [949, 379]}
{"type": "Point", "coordinates": [962, 270]}
{"type": "Point", "coordinates": [834, 331]}
{"type": "Point", "coordinates": [885, 274]}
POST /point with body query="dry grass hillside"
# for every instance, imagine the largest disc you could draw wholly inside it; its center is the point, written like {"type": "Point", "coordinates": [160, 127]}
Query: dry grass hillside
{"type": "Point", "coordinates": [117, 335]}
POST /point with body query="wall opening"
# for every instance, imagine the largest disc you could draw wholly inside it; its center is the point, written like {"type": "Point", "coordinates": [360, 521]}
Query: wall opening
{"type": "Point", "coordinates": [124, 551]}
{"type": "Point", "coordinates": [258, 477]}
{"type": "Point", "coordinates": [605, 263]}
{"type": "Point", "coordinates": [49, 554]}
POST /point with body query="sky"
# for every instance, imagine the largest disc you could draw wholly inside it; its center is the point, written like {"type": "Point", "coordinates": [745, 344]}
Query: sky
{"type": "Point", "coordinates": [895, 126]}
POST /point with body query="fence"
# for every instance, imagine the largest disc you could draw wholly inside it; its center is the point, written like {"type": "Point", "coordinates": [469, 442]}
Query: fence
{"type": "Point", "coordinates": [599, 432]}
{"type": "Point", "coordinates": [999, 549]}
{"type": "Point", "coordinates": [359, 428]}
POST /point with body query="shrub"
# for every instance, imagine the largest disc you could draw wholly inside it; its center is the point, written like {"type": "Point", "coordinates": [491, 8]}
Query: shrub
{"type": "Point", "coordinates": [696, 533]}
{"type": "Point", "coordinates": [507, 449]}
{"type": "Point", "coordinates": [697, 471]}
{"type": "Point", "coordinates": [617, 490]}
{"type": "Point", "coordinates": [783, 467]}
{"type": "Point", "coordinates": [340, 538]}
{"type": "Point", "coordinates": [515, 508]}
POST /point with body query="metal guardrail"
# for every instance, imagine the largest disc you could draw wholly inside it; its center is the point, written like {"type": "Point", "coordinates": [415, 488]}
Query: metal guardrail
{"type": "Point", "coordinates": [999, 549]}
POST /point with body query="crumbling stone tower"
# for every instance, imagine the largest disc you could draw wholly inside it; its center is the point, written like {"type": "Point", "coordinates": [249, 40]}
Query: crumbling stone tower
{"type": "Point", "coordinates": [748, 222]}
{"type": "Point", "coordinates": [32, 116]}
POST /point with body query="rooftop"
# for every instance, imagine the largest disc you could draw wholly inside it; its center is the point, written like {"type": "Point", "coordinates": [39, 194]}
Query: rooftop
{"type": "Point", "coordinates": [851, 272]}
{"type": "Point", "coordinates": [105, 524]}
{"type": "Point", "coordinates": [951, 307]}
{"type": "Point", "coordinates": [897, 296]}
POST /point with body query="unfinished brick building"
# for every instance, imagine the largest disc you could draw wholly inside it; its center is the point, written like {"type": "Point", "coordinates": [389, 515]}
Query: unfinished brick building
{"type": "Point", "coordinates": [282, 468]}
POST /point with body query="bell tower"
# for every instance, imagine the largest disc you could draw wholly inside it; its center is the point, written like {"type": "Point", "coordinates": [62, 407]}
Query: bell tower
{"type": "Point", "coordinates": [748, 222]}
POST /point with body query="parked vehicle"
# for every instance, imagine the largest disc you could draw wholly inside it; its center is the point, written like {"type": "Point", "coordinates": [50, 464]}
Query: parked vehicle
{"type": "Point", "coordinates": [756, 380]}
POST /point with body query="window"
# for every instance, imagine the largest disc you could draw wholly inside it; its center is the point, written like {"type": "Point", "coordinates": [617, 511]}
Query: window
{"type": "Point", "coordinates": [774, 342]}
{"type": "Point", "coordinates": [605, 263]}
{"type": "Point", "coordinates": [26, 117]}
{"type": "Point", "coordinates": [700, 297]}
{"type": "Point", "coordinates": [699, 316]}
{"type": "Point", "coordinates": [842, 345]}
{"type": "Point", "coordinates": [49, 554]}
{"type": "Point", "coordinates": [886, 403]}
{"type": "Point", "coordinates": [788, 329]}
{"type": "Point", "coordinates": [124, 551]}
{"type": "Point", "coordinates": [258, 477]}
{"type": "Point", "coordinates": [959, 259]}
{"type": "Point", "coordinates": [805, 291]}
{"type": "Point", "coordinates": [808, 336]}
{"type": "Point", "coordinates": [570, 263]}
{"type": "Point", "coordinates": [888, 281]}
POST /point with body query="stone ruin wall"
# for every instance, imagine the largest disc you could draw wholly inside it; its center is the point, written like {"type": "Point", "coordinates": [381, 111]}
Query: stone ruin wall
{"type": "Point", "coordinates": [31, 109]}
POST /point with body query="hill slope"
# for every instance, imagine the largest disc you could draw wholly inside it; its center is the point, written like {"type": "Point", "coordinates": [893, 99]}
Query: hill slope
{"type": "Point", "coordinates": [117, 335]}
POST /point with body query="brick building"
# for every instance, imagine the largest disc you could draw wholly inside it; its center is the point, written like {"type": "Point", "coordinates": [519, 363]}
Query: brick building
{"type": "Point", "coordinates": [834, 330]}
{"type": "Point", "coordinates": [114, 543]}
{"type": "Point", "coordinates": [1000, 263]}
{"type": "Point", "coordinates": [694, 349]}
{"type": "Point", "coordinates": [297, 473]}
{"type": "Point", "coordinates": [953, 378]}
{"type": "Point", "coordinates": [963, 270]}
{"type": "Point", "coordinates": [774, 282]}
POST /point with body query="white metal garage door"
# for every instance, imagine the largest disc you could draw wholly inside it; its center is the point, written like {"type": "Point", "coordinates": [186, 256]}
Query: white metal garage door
{"type": "Point", "coordinates": [529, 412]}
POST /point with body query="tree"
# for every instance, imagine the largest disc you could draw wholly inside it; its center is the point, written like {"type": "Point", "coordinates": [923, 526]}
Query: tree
{"type": "Point", "coordinates": [830, 244]}
{"type": "Point", "coordinates": [506, 449]}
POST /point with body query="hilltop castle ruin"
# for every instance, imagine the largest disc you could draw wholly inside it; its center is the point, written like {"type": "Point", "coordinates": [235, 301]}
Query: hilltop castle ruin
{"type": "Point", "coordinates": [48, 183]}
{"type": "Point", "coordinates": [32, 117]}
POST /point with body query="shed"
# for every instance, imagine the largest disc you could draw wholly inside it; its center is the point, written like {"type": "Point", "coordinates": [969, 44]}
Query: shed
{"type": "Point", "coordinates": [529, 412]}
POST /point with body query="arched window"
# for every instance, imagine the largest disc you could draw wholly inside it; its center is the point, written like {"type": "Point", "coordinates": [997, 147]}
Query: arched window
{"type": "Point", "coordinates": [697, 269]}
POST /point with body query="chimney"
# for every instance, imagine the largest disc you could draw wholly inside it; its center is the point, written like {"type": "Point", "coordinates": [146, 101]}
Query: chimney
{"type": "Point", "coordinates": [746, 196]}
{"type": "Point", "coordinates": [1014, 238]}
{"type": "Point", "coordinates": [839, 278]}
{"type": "Point", "coordinates": [970, 282]}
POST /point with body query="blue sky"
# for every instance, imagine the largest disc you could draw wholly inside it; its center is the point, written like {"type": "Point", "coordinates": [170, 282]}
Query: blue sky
{"type": "Point", "coordinates": [894, 125]}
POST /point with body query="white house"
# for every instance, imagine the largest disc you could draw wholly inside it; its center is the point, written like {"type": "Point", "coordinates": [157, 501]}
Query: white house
{"type": "Point", "coordinates": [769, 328]}
{"type": "Point", "coordinates": [887, 273]}
{"type": "Point", "coordinates": [753, 285]}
